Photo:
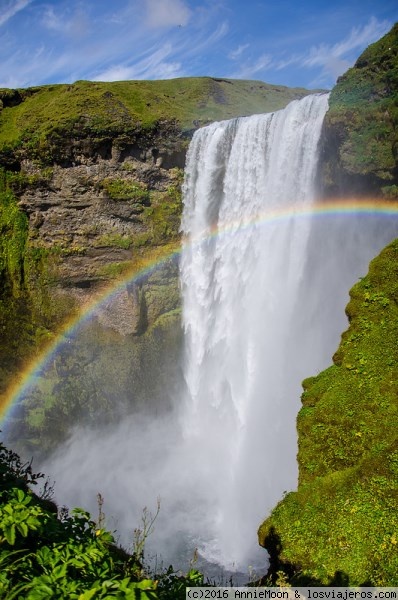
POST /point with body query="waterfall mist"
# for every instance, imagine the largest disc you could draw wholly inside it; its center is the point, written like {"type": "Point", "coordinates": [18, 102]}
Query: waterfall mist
{"type": "Point", "coordinates": [263, 307]}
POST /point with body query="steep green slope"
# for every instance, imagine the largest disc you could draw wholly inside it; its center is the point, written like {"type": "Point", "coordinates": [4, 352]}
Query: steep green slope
{"type": "Point", "coordinates": [36, 121]}
{"type": "Point", "coordinates": [360, 141]}
{"type": "Point", "coordinates": [342, 523]}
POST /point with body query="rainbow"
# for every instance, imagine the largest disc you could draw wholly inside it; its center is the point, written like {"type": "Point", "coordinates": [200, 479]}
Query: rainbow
{"type": "Point", "coordinates": [29, 375]}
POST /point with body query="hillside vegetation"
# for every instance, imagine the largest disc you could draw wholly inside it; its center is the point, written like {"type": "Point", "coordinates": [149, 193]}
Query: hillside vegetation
{"type": "Point", "coordinates": [46, 552]}
{"type": "Point", "coordinates": [34, 120]}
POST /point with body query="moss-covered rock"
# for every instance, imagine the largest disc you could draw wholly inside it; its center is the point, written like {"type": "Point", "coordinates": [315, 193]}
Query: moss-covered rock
{"type": "Point", "coordinates": [29, 309]}
{"type": "Point", "coordinates": [360, 139]}
{"type": "Point", "coordinates": [98, 377]}
{"type": "Point", "coordinates": [342, 521]}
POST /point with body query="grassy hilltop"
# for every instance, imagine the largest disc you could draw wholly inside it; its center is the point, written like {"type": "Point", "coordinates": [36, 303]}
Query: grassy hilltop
{"type": "Point", "coordinates": [33, 120]}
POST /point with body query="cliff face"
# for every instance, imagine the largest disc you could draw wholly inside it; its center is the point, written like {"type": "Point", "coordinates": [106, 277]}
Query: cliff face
{"type": "Point", "coordinates": [341, 525]}
{"type": "Point", "coordinates": [67, 232]}
{"type": "Point", "coordinates": [97, 167]}
{"type": "Point", "coordinates": [360, 139]}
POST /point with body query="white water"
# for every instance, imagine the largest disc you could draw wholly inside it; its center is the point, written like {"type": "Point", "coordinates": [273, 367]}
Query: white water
{"type": "Point", "coordinates": [239, 287]}
{"type": "Point", "coordinates": [263, 308]}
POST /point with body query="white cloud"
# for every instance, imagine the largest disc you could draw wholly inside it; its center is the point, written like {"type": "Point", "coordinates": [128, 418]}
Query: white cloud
{"type": "Point", "coordinates": [219, 33]}
{"type": "Point", "coordinates": [336, 58]}
{"type": "Point", "coordinates": [75, 25]}
{"type": "Point", "coordinates": [11, 9]}
{"type": "Point", "coordinates": [249, 69]}
{"type": "Point", "coordinates": [234, 54]}
{"type": "Point", "coordinates": [361, 37]}
{"type": "Point", "coordinates": [51, 20]}
{"type": "Point", "coordinates": [167, 13]}
{"type": "Point", "coordinates": [153, 66]}
{"type": "Point", "coordinates": [17, 70]}
{"type": "Point", "coordinates": [203, 41]}
{"type": "Point", "coordinates": [332, 59]}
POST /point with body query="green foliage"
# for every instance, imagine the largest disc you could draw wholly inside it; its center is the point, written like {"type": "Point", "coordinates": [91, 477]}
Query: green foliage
{"type": "Point", "coordinates": [45, 555]}
{"type": "Point", "coordinates": [343, 517]}
{"type": "Point", "coordinates": [172, 585]}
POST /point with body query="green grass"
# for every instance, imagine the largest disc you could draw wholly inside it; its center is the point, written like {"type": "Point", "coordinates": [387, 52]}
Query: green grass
{"type": "Point", "coordinates": [13, 238]}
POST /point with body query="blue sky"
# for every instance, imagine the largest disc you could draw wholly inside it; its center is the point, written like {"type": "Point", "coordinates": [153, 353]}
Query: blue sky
{"type": "Point", "coordinates": [296, 43]}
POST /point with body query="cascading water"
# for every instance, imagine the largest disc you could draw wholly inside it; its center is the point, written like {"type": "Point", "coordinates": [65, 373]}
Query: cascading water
{"type": "Point", "coordinates": [240, 275]}
{"type": "Point", "coordinates": [264, 290]}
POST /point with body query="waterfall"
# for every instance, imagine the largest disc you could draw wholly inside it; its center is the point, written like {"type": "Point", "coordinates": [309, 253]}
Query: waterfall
{"type": "Point", "coordinates": [241, 271]}
{"type": "Point", "coordinates": [264, 287]}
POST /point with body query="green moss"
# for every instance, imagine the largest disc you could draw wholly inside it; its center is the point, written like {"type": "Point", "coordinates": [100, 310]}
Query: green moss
{"type": "Point", "coordinates": [345, 523]}
{"type": "Point", "coordinates": [390, 192]}
{"type": "Point", "coordinates": [115, 270]}
{"type": "Point", "coordinates": [115, 240]}
{"type": "Point", "coordinates": [19, 181]}
{"type": "Point", "coordinates": [28, 311]}
{"type": "Point", "coordinates": [343, 516]}
{"type": "Point", "coordinates": [13, 237]}
{"type": "Point", "coordinates": [362, 122]}
{"type": "Point", "coordinates": [162, 292]}
{"type": "Point", "coordinates": [163, 217]}
{"type": "Point", "coordinates": [126, 190]}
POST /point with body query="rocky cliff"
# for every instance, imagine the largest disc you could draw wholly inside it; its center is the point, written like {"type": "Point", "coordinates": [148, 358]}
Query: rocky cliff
{"type": "Point", "coordinates": [360, 137]}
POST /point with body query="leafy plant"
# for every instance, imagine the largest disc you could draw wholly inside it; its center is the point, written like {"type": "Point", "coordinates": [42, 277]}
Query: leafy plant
{"type": "Point", "coordinates": [49, 553]}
